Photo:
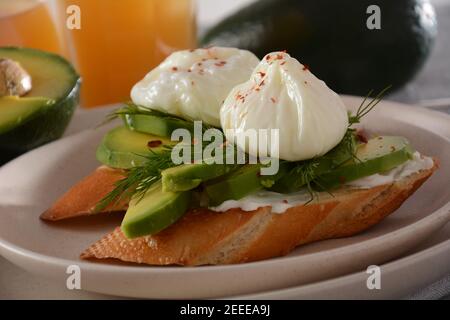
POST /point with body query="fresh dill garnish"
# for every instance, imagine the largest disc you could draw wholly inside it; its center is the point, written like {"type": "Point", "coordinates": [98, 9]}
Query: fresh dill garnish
{"type": "Point", "coordinates": [133, 109]}
{"type": "Point", "coordinates": [307, 171]}
{"type": "Point", "coordinates": [130, 108]}
{"type": "Point", "coordinates": [364, 109]}
{"type": "Point", "coordinates": [139, 179]}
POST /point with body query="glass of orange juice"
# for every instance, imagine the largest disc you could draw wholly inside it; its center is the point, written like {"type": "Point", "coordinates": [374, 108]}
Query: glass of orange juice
{"type": "Point", "coordinates": [117, 42]}
{"type": "Point", "coordinates": [28, 23]}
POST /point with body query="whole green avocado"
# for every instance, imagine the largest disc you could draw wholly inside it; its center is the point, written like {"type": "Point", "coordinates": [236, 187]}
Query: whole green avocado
{"type": "Point", "coordinates": [333, 39]}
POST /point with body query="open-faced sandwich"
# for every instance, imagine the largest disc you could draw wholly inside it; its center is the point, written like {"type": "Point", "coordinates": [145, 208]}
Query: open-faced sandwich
{"type": "Point", "coordinates": [225, 159]}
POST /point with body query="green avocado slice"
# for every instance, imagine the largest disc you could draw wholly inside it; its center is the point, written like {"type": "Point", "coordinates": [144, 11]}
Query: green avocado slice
{"type": "Point", "coordinates": [189, 176]}
{"type": "Point", "coordinates": [241, 182]}
{"type": "Point", "coordinates": [155, 211]}
{"type": "Point", "coordinates": [160, 126]}
{"type": "Point", "coordinates": [125, 149]}
{"type": "Point", "coordinates": [378, 155]}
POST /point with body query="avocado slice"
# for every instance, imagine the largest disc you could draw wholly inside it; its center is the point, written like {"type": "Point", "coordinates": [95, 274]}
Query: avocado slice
{"type": "Point", "coordinates": [160, 126]}
{"type": "Point", "coordinates": [296, 179]}
{"type": "Point", "coordinates": [155, 211]}
{"type": "Point", "coordinates": [378, 155]}
{"type": "Point", "coordinates": [53, 78]}
{"type": "Point", "coordinates": [241, 182]}
{"type": "Point", "coordinates": [124, 149]}
{"type": "Point", "coordinates": [189, 176]}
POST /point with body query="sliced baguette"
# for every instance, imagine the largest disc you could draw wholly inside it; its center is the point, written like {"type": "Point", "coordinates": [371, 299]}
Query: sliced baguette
{"type": "Point", "coordinates": [82, 198]}
{"type": "Point", "coordinates": [204, 237]}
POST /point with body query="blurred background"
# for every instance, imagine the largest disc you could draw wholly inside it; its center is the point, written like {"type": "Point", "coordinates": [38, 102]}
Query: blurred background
{"type": "Point", "coordinates": [119, 41]}
{"type": "Point", "coordinates": [430, 86]}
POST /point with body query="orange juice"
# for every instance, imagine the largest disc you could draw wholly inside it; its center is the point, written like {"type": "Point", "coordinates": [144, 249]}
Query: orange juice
{"type": "Point", "coordinates": [27, 23]}
{"type": "Point", "coordinates": [120, 41]}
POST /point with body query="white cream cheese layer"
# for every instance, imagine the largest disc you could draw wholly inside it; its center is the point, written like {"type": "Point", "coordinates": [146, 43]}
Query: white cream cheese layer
{"type": "Point", "coordinates": [194, 83]}
{"type": "Point", "coordinates": [283, 94]}
{"type": "Point", "coordinates": [416, 164]}
{"type": "Point", "coordinates": [281, 202]}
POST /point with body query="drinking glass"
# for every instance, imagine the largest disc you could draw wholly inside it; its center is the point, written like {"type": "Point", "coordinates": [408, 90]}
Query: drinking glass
{"type": "Point", "coordinates": [118, 41]}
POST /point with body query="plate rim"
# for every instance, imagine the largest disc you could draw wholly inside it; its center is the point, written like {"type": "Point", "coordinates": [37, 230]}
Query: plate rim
{"type": "Point", "coordinates": [392, 266]}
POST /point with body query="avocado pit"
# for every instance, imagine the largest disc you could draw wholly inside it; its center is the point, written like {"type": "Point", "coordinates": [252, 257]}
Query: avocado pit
{"type": "Point", "coordinates": [14, 79]}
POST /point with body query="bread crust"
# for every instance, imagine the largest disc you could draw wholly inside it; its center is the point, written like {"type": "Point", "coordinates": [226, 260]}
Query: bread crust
{"type": "Point", "coordinates": [204, 237]}
{"type": "Point", "coordinates": [82, 198]}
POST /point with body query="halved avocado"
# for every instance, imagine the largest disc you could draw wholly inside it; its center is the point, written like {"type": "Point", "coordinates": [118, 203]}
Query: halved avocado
{"type": "Point", "coordinates": [123, 148]}
{"type": "Point", "coordinates": [334, 39]}
{"type": "Point", "coordinates": [42, 114]}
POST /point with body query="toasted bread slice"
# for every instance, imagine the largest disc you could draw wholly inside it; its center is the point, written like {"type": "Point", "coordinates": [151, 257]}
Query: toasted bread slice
{"type": "Point", "coordinates": [82, 198]}
{"type": "Point", "coordinates": [204, 237]}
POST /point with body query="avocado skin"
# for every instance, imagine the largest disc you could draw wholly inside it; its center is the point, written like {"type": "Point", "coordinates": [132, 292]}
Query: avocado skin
{"type": "Point", "coordinates": [331, 37]}
{"type": "Point", "coordinates": [45, 126]}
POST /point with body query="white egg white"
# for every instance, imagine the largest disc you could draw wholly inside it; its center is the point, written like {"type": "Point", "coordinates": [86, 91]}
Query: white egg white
{"type": "Point", "coordinates": [283, 94]}
{"type": "Point", "coordinates": [194, 83]}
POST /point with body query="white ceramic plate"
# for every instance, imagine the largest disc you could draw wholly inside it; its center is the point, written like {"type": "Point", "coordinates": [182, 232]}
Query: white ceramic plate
{"type": "Point", "coordinates": [31, 183]}
{"type": "Point", "coordinates": [399, 279]}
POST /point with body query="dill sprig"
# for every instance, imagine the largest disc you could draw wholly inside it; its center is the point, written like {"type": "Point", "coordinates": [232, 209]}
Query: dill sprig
{"type": "Point", "coordinates": [364, 109]}
{"type": "Point", "coordinates": [139, 179]}
{"type": "Point", "coordinates": [307, 171]}
{"type": "Point", "coordinates": [130, 108]}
